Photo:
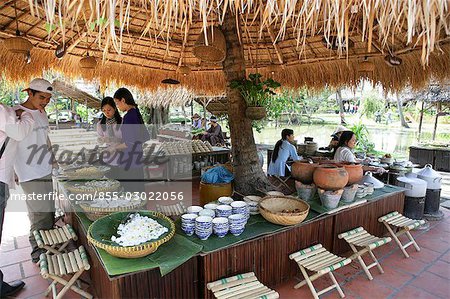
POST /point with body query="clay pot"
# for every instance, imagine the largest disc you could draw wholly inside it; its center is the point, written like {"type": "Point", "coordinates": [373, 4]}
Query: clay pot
{"type": "Point", "coordinates": [330, 199]}
{"type": "Point", "coordinates": [303, 171]}
{"type": "Point", "coordinates": [211, 192]}
{"type": "Point", "coordinates": [330, 177]}
{"type": "Point", "coordinates": [305, 192]}
{"type": "Point", "coordinates": [355, 173]}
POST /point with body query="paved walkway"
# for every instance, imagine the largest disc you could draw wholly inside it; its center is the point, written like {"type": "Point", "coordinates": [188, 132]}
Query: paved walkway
{"type": "Point", "coordinates": [425, 275]}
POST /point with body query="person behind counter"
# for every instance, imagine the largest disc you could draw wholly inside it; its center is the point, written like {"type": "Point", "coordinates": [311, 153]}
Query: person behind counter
{"type": "Point", "coordinates": [134, 134]}
{"type": "Point", "coordinates": [284, 150]}
{"type": "Point", "coordinates": [108, 128]}
{"type": "Point", "coordinates": [344, 151]}
{"type": "Point", "coordinates": [196, 121]}
{"type": "Point", "coordinates": [335, 137]}
{"type": "Point", "coordinates": [214, 134]}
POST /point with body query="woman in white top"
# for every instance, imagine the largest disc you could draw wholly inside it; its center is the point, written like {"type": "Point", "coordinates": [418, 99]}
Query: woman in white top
{"type": "Point", "coordinates": [282, 152]}
{"type": "Point", "coordinates": [344, 150]}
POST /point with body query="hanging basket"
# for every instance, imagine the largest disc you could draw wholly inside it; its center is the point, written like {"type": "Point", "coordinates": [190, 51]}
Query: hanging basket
{"type": "Point", "coordinates": [366, 66]}
{"type": "Point", "coordinates": [184, 70]}
{"type": "Point", "coordinates": [18, 45]}
{"type": "Point", "coordinates": [88, 62]}
{"type": "Point", "coordinates": [213, 49]}
{"type": "Point", "coordinates": [255, 113]}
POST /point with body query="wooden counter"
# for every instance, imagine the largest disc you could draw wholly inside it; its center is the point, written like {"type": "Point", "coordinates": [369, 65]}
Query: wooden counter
{"type": "Point", "coordinates": [267, 255]}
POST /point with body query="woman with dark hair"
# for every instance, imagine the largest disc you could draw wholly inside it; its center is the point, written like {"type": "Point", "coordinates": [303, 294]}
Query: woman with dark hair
{"type": "Point", "coordinates": [108, 128]}
{"type": "Point", "coordinates": [284, 149]}
{"type": "Point", "coordinates": [344, 149]}
{"type": "Point", "coordinates": [134, 134]}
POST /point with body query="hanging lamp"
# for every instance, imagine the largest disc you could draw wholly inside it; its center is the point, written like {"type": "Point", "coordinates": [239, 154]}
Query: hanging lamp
{"type": "Point", "coordinates": [184, 70]}
{"type": "Point", "coordinates": [18, 44]}
{"type": "Point", "coordinates": [88, 62]}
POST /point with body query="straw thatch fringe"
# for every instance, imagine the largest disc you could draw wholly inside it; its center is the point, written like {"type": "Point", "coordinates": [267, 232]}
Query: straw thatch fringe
{"type": "Point", "coordinates": [422, 20]}
{"type": "Point", "coordinates": [339, 72]}
{"type": "Point", "coordinates": [312, 75]}
{"type": "Point", "coordinates": [15, 68]}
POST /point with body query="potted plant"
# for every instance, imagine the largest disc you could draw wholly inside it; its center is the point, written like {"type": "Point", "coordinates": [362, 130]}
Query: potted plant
{"type": "Point", "coordinates": [256, 94]}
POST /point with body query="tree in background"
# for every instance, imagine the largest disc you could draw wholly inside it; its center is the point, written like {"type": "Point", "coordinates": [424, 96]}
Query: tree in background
{"type": "Point", "coordinates": [371, 104]}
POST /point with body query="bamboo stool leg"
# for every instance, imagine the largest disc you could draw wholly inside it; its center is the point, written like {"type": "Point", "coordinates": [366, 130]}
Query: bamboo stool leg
{"type": "Point", "coordinates": [361, 262]}
{"type": "Point", "coordinates": [394, 236]}
{"type": "Point", "coordinates": [50, 288]}
{"type": "Point", "coordinates": [69, 284]}
{"type": "Point", "coordinates": [341, 293]}
{"type": "Point", "coordinates": [376, 261]}
{"type": "Point", "coordinates": [308, 281]}
{"type": "Point", "coordinates": [73, 288]}
{"type": "Point", "coordinates": [412, 240]}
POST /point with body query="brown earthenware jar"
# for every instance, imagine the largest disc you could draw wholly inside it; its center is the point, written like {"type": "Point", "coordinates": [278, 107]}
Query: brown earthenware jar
{"type": "Point", "coordinates": [303, 171]}
{"type": "Point", "coordinates": [330, 177]}
{"type": "Point", "coordinates": [355, 172]}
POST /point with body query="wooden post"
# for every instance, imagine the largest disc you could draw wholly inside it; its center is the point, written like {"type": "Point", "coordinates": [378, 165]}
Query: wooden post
{"type": "Point", "coordinates": [438, 110]}
{"type": "Point", "coordinates": [421, 120]}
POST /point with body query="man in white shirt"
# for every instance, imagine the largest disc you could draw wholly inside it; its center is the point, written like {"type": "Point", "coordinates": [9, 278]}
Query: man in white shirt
{"type": "Point", "coordinates": [14, 126]}
{"type": "Point", "coordinates": [34, 160]}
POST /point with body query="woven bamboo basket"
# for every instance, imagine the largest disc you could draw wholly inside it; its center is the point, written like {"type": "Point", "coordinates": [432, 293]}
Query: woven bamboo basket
{"type": "Point", "coordinates": [271, 208]}
{"type": "Point", "coordinates": [18, 45]}
{"type": "Point", "coordinates": [255, 113]}
{"type": "Point", "coordinates": [131, 252]}
{"type": "Point", "coordinates": [213, 49]}
{"type": "Point", "coordinates": [94, 213]}
{"type": "Point", "coordinates": [78, 174]}
{"type": "Point", "coordinates": [88, 62]}
{"type": "Point", "coordinates": [75, 190]}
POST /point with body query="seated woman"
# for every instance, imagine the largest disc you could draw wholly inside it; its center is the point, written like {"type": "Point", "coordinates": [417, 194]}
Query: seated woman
{"type": "Point", "coordinates": [196, 121]}
{"type": "Point", "coordinates": [344, 151]}
{"type": "Point", "coordinates": [214, 134]}
{"type": "Point", "coordinates": [284, 150]}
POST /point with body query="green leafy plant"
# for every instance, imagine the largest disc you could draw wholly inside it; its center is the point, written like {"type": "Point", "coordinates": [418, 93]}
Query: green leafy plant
{"type": "Point", "coordinates": [363, 139]}
{"type": "Point", "coordinates": [256, 93]}
{"type": "Point", "coordinates": [372, 104]}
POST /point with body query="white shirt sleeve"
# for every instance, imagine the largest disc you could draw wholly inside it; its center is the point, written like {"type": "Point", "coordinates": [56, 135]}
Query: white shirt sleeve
{"type": "Point", "coordinates": [16, 128]}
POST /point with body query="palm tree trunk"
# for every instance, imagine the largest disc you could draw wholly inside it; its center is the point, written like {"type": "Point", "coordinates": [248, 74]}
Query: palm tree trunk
{"type": "Point", "coordinates": [400, 112]}
{"type": "Point", "coordinates": [249, 176]}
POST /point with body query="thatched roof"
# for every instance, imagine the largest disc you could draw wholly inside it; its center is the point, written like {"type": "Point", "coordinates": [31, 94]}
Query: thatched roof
{"type": "Point", "coordinates": [432, 93]}
{"type": "Point", "coordinates": [141, 42]}
{"type": "Point", "coordinates": [71, 92]}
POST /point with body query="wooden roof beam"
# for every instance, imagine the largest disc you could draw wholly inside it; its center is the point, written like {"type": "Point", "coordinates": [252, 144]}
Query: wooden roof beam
{"type": "Point", "coordinates": [13, 20]}
{"type": "Point", "coordinates": [275, 45]}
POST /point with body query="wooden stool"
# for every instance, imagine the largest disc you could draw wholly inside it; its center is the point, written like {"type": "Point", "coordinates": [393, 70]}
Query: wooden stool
{"type": "Point", "coordinates": [55, 240]}
{"type": "Point", "coordinates": [317, 259]}
{"type": "Point", "coordinates": [241, 286]}
{"type": "Point", "coordinates": [361, 238]}
{"type": "Point", "coordinates": [57, 265]}
{"type": "Point", "coordinates": [404, 225]}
